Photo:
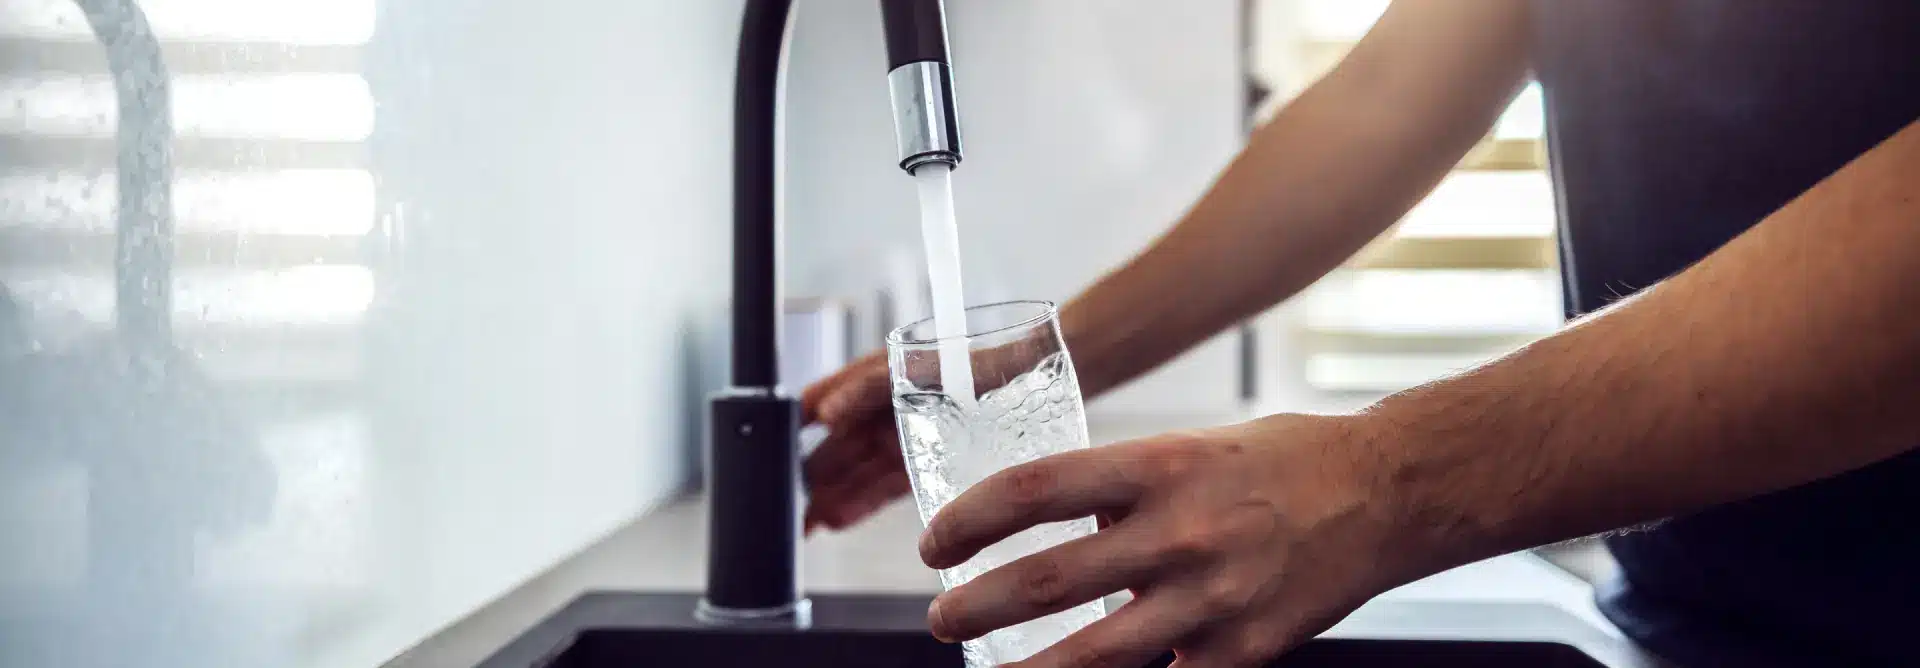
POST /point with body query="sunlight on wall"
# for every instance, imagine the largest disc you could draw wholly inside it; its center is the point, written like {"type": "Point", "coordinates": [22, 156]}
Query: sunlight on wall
{"type": "Point", "coordinates": [292, 22]}
{"type": "Point", "coordinates": [288, 202]}
{"type": "Point", "coordinates": [305, 106]}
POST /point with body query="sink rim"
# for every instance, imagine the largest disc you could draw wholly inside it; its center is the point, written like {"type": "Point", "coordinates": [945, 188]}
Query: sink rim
{"type": "Point", "coordinates": [1417, 621]}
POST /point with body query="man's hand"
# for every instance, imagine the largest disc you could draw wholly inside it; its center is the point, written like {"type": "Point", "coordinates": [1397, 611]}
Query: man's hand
{"type": "Point", "coordinates": [1240, 543]}
{"type": "Point", "coordinates": [858, 468]}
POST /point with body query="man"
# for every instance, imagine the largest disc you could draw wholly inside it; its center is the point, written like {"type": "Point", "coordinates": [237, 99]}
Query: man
{"type": "Point", "coordinates": [1740, 203]}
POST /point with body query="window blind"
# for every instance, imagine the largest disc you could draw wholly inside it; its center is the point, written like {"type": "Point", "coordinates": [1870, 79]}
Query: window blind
{"type": "Point", "coordinates": [1469, 274]}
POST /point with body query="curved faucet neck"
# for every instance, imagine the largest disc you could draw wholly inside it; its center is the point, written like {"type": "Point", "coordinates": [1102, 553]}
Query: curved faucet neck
{"type": "Point", "coordinates": [753, 475]}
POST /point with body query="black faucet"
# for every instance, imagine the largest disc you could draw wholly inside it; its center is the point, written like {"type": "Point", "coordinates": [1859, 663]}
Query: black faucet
{"type": "Point", "coordinates": [753, 484]}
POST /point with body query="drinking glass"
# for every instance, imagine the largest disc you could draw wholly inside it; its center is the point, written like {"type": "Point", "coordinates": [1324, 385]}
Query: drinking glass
{"type": "Point", "coordinates": [1028, 406]}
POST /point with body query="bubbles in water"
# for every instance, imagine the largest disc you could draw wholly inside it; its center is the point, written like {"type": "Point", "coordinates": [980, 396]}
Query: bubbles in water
{"type": "Point", "coordinates": [950, 448]}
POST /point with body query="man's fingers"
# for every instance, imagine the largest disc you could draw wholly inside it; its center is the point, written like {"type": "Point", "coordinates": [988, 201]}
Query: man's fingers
{"type": "Point", "coordinates": [845, 449]}
{"type": "Point", "coordinates": [876, 495]}
{"type": "Point", "coordinates": [1239, 644]}
{"type": "Point", "coordinates": [862, 459]}
{"type": "Point", "coordinates": [826, 496]}
{"type": "Point", "coordinates": [818, 392]}
{"type": "Point", "coordinates": [850, 378]}
{"type": "Point", "coordinates": [867, 391]}
{"type": "Point", "coordinates": [1046, 582]}
{"type": "Point", "coordinates": [851, 497]}
{"type": "Point", "coordinates": [810, 399]}
{"type": "Point", "coordinates": [1136, 633]}
{"type": "Point", "coordinates": [1052, 489]}
{"type": "Point", "coordinates": [840, 497]}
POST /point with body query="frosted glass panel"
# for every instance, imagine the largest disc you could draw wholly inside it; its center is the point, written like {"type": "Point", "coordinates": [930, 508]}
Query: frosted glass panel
{"type": "Point", "coordinates": [317, 107]}
{"type": "Point", "coordinates": [296, 201]}
{"type": "Point", "coordinates": [302, 22]}
{"type": "Point", "coordinates": [433, 291]}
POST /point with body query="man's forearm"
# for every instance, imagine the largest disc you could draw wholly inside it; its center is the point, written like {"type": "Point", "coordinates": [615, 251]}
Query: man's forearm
{"type": "Point", "coordinates": [1791, 354]}
{"type": "Point", "coordinates": [1333, 169]}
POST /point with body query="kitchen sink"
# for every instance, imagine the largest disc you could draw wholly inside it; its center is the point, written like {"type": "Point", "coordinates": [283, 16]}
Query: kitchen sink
{"type": "Point", "coordinates": [630, 630]}
{"type": "Point", "coordinates": [626, 648]}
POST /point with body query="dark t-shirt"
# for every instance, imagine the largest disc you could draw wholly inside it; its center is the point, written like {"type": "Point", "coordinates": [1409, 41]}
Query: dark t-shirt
{"type": "Point", "coordinates": [1674, 126]}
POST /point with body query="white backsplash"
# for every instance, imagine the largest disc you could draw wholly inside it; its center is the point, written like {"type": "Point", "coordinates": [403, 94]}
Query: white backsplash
{"type": "Point", "coordinates": [1089, 127]}
{"type": "Point", "coordinates": [452, 270]}
{"type": "Point", "coordinates": [447, 383]}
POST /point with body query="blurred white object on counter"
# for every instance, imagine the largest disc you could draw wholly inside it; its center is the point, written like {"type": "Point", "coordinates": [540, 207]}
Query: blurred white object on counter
{"type": "Point", "coordinates": [815, 340]}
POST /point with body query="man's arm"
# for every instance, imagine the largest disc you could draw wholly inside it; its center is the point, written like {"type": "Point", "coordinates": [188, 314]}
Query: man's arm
{"type": "Point", "coordinates": [1334, 168]}
{"type": "Point", "coordinates": [1791, 354]}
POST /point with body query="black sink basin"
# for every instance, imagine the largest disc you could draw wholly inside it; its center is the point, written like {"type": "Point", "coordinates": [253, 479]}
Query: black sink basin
{"type": "Point", "coordinates": [613, 630]}
{"type": "Point", "coordinates": [628, 648]}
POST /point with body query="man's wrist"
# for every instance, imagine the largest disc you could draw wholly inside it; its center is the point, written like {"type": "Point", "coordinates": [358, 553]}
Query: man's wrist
{"type": "Point", "coordinates": [1424, 487]}
{"type": "Point", "coordinates": [1091, 346]}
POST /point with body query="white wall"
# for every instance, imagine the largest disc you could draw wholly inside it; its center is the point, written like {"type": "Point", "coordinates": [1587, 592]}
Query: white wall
{"type": "Point", "coordinates": [514, 372]}
{"type": "Point", "coordinates": [478, 342]}
{"type": "Point", "coordinates": [1090, 125]}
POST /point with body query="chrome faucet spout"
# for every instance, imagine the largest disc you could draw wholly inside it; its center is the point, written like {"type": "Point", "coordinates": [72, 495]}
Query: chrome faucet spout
{"type": "Point", "coordinates": [920, 79]}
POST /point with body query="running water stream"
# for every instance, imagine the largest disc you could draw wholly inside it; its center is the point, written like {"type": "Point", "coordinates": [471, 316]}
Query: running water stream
{"type": "Point", "coordinates": [941, 238]}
